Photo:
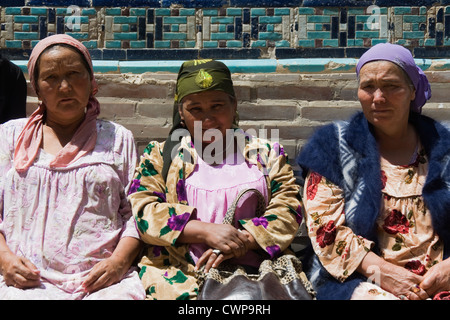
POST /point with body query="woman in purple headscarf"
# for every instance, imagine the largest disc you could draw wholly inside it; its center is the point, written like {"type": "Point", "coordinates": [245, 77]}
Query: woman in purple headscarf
{"type": "Point", "coordinates": [376, 190]}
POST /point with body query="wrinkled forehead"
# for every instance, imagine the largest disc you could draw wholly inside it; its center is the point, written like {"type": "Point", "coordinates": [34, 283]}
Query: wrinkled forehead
{"type": "Point", "coordinates": [383, 69]}
{"type": "Point", "coordinates": [62, 55]}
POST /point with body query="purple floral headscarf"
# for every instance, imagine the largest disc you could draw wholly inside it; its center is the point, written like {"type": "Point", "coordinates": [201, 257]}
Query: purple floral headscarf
{"type": "Point", "coordinates": [404, 59]}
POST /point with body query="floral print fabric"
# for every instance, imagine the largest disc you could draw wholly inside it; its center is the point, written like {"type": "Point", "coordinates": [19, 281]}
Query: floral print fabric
{"type": "Point", "coordinates": [404, 231]}
{"type": "Point", "coordinates": [162, 210]}
{"type": "Point", "coordinates": [65, 220]}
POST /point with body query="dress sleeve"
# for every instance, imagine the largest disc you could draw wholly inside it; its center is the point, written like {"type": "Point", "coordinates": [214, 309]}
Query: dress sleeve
{"type": "Point", "coordinates": [275, 230]}
{"type": "Point", "coordinates": [159, 222]}
{"type": "Point", "coordinates": [339, 250]}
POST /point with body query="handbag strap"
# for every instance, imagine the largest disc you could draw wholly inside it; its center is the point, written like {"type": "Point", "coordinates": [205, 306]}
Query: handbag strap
{"type": "Point", "coordinates": [260, 209]}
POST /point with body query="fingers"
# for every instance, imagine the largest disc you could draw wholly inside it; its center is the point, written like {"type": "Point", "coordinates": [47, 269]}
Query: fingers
{"type": "Point", "coordinates": [23, 274]}
{"type": "Point", "coordinates": [417, 293]}
{"type": "Point", "coordinates": [102, 275]}
{"type": "Point", "coordinates": [211, 259]}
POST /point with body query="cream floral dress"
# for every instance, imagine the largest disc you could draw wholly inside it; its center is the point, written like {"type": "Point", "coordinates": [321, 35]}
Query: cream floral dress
{"type": "Point", "coordinates": [404, 228]}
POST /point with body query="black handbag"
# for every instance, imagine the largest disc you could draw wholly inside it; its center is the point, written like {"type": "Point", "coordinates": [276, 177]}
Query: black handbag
{"type": "Point", "coordinates": [281, 278]}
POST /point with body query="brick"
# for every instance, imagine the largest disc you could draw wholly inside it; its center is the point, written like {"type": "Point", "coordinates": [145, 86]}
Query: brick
{"type": "Point", "coordinates": [295, 92]}
{"type": "Point", "coordinates": [272, 111]}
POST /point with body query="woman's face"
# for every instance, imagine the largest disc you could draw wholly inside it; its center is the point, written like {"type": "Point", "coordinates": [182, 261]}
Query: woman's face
{"type": "Point", "coordinates": [63, 84]}
{"type": "Point", "coordinates": [212, 109]}
{"type": "Point", "coordinates": [385, 94]}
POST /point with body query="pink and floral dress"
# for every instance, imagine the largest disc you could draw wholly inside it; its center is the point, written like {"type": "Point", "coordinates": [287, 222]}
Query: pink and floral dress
{"type": "Point", "coordinates": [66, 220]}
{"type": "Point", "coordinates": [405, 234]}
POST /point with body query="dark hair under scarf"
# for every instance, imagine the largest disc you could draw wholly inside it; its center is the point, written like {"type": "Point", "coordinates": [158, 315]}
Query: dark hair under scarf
{"type": "Point", "coordinates": [195, 76]}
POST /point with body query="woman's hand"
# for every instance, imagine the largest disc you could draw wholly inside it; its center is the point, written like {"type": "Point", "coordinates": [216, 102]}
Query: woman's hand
{"type": "Point", "coordinates": [437, 278]}
{"type": "Point", "coordinates": [18, 271]}
{"type": "Point", "coordinates": [227, 239]}
{"type": "Point", "coordinates": [111, 270]}
{"type": "Point", "coordinates": [395, 279]}
{"type": "Point", "coordinates": [237, 243]}
{"type": "Point", "coordinates": [105, 273]}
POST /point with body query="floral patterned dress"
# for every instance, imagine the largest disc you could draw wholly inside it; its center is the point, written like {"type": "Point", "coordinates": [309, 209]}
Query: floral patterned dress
{"type": "Point", "coordinates": [66, 220]}
{"type": "Point", "coordinates": [161, 209]}
{"type": "Point", "coordinates": [404, 229]}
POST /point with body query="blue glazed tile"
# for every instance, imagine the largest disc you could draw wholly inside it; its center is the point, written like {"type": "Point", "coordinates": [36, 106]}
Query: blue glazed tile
{"type": "Point", "coordinates": [431, 52]}
{"type": "Point", "coordinates": [114, 54]}
{"type": "Point", "coordinates": [62, 3]}
{"type": "Point", "coordinates": [246, 16]}
{"type": "Point", "coordinates": [25, 19]}
{"type": "Point", "coordinates": [225, 53]}
{"type": "Point", "coordinates": [161, 54]}
{"type": "Point", "coordinates": [125, 36]}
{"type": "Point", "coordinates": [174, 20]}
{"type": "Point", "coordinates": [270, 19]}
{"type": "Point", "coordinates": [337, 3]}
{"type": "Point", "coordinates": [238, 29]}
{"type": "Point", "coordinates": [195, 3]}
{"type": "Point", "coordinates": [187, 12]}
{"type": "Point", "coordinates": [12, 3]}
{"type": "Point", "coordinates": [13, 11]}
{"type": "Point", "coordinates": [16, 54]}
{"type": "Point", "coordinates": [39, 11]}
{"type": "Point", "coordinates": [141, 28]}
{"type": "Point", "coordinates": [234, 44]}
{"type": "Point", "coordinates": [265, 3]}
{"type": "Point", "coordinates": [150, 16]}
{"type": "Point", "coordinates": [334, 27]}
{"type": "Point", "coordinates": [158, 29]}
{"type": "Point", "coordinates": [150, 66]}
{"type": "Point", "coordinates": [259, 44]}
{"type": "Point", "coordinates": [13, 44]}
{"type": "Point", "coordinates": [42, 27]}
{"type": "Point", "coordinates": [270, 36]}
{"type": "Point", "coordinates": [26, 35]}
{"type": "Point", "coordinates": [92, 44]}
{"type": "Point", "coordinates": [137, 12]}
{"type": "Point", "coordinates": [210, 44]}
{"type": "Point", "coordinates": [59, 25]}
{"type": "Point", "coordinates": [253, 66]}
{"type": "Point", "coordinates": [126, 3]}
{"type": "Point", "coordinates": [288, 53]}
{"type": "Point", "coordinates": [137, 44]}
{"type": "Point", "coordinates": [125, 20]}
{"type": "Point", "coordinates": [113, 44]}
{"type": "Point", "coordinates": [105, 66]}
{"type": "Point", "coordinates": [406, 3]}
{"type": "Point", "coordinates": [254, 28]}
{"type": "Point", "coordinates": [150, 40]}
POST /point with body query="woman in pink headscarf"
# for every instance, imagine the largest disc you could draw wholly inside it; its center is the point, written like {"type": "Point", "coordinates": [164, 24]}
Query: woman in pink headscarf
{"type": "Point", "coordinates": [66, 230]}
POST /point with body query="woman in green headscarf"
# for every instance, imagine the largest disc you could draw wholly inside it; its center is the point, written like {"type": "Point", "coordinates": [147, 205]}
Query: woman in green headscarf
{"type": "Point", "coordinates": [183, 187]}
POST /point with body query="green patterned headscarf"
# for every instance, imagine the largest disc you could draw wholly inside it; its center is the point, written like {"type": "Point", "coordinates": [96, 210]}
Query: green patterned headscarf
{"type": "Point", "coordinates": [203, 75]}
{"type": "Point", "coordinates": [196, 76]}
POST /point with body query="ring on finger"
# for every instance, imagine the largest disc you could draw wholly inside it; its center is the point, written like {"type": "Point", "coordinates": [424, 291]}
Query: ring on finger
{"type": "Point", "coordinates": [217, 251]}
{"type": "Point", "coordinates": [415, 288]}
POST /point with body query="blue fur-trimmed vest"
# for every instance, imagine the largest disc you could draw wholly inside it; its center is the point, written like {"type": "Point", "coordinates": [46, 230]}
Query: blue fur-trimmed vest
{"type": "Point", "coordinates": [346, 153]}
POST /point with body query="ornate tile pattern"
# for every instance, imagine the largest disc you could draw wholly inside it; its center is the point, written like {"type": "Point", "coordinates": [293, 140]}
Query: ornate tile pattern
{"type": "Point", "coordinates": [120, 32]}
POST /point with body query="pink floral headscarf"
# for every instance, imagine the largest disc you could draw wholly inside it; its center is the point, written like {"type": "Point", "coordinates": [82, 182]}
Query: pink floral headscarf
{"type": "Point", "coordinates": [30, 138]}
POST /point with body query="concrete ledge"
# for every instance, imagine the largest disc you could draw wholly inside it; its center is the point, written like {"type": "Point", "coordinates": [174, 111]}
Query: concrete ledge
{"type": "Point", "coordinates": [317, 65]}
